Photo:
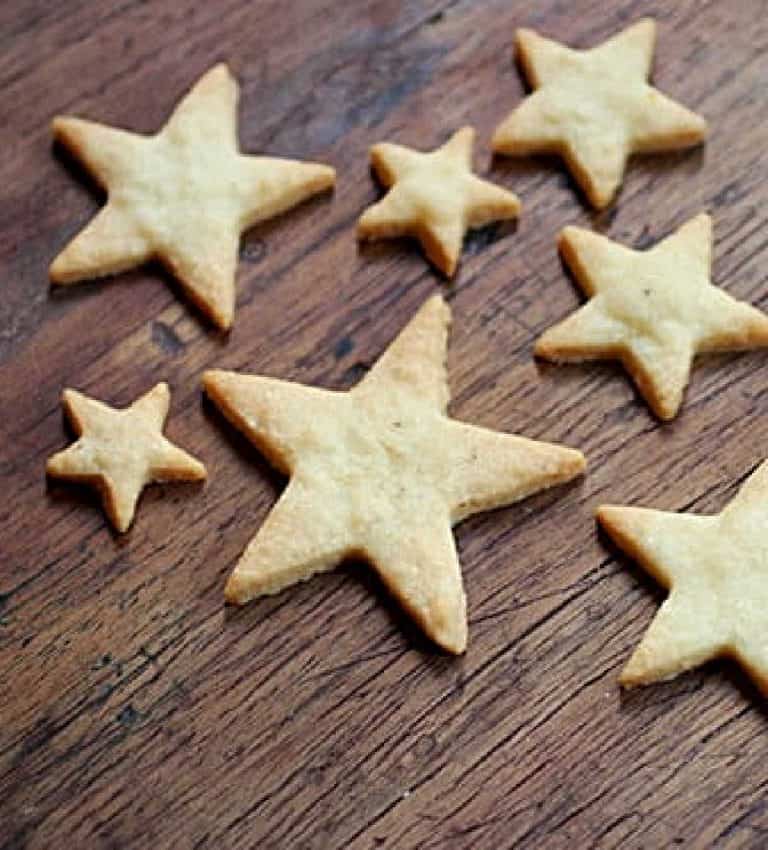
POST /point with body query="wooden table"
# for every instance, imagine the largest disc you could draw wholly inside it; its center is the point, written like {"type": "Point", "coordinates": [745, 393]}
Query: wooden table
{"type": "Point", "coordinates": [135, 709]}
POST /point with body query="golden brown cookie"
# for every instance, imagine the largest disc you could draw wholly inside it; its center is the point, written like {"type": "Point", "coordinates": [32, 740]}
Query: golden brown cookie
{"type": "Point", "coordinates": [380, 473]}
{"type": "Point", "coordinates": [653, 310]}
{"type": "Point", "coordinates": [182, 196]}
{"type": "Point", "coordinates": [121, 451]}
{"type": "Point", "coordinates": [435, 197]}
{"type": "Point", "coordinates": [594, 108]}
{"type": "Point", "coordinates": [716, 571]}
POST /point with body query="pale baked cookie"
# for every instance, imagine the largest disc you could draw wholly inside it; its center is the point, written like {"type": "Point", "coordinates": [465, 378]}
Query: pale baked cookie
{"type": "Point", "coordinates": [182, 196]}
{"type": "Point", "coordinates": [595, 108]}
{"type": "Point", "coordinates": [716, 571]}
{"type": "Point", "coordinates": [653, 310]}
{"type": "Point", "coordinates": [435, 197]}
{"type": "Point", "coordinates": [120, 451]}
{"type": "Point", "coordinates": [380, 473]}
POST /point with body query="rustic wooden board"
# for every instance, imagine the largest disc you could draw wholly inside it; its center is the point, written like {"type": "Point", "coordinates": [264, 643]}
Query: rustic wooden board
{"type": "Point", "coordinates": [135, 710]}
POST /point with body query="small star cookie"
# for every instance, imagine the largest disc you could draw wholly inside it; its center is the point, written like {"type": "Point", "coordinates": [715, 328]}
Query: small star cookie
{"type": "Point", "coordinates": [182, 196]}
{"type": "Point", "coordinates": [435, 197]}
{"type": "Point", "coordinates": [653, 310]}
{"type": "Point", "coordinates": [595, 108]}
{"type": "Point", "coordinates": [120, 451]}
{"type": "Point", "coordinates": [380, 473]}
{"type": "Point", "coordinates": [716, 571]}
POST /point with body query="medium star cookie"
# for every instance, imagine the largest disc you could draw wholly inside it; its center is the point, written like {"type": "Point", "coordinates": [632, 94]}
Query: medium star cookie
{"type": "Point", "coordinates": [716, 571]}
{"type": "Point", "coordinates": [182, 196]}
{"type": "Point", "coordinates": [653, 310]}
{"type": "Point", "coordinates": [120, 451]}
{"type": "Point", "coordinates": [435, 197]}
{"type": "Point", "coordinates": [595, 108]}
{"type": "Point", "coordinates": [380, 473]}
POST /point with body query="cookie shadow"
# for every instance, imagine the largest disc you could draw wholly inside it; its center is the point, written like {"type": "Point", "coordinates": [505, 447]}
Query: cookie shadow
{"type": "Point", "coordinates": [77, 172]}
{"type": "Point", "coordinates": [255, 241]}
{"type": "Point", "coordinates": [324, 587]}
{"type": "Point", "coordinates": [60, 492]}
{"type": "Point", "coordinates": [643, 172]}
{"type": "Point", "coordinates": [253, 461]}
{"type": "Point", "coordinates": [719, 673]}
{"type": "Point", "coordinates": [365, 575]}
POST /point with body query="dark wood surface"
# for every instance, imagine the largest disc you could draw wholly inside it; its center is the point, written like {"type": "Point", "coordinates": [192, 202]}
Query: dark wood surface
{"type": "Point", "coordinates": [135, 709]}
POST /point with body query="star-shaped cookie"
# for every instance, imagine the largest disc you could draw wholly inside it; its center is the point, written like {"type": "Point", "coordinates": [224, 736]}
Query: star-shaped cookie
{"type": "Point", "coordinates": [182, 196]}
{"type": "Point", "coordinates": [595, 108]}
{"type": "Point", "coordinates": [653, 310]}
{"type": "Point", "coordinates": [435, 197]}
{"type": "Point", "coordinates": [120, 451]}
{"type": "Point", "coordinates": [716, 571]}
{"type": "Point", "coordinates": [380, 473]}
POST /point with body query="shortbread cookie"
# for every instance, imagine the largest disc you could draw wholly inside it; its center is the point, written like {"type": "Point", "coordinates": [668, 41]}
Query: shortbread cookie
{"type": "Point", "coordinates": [380, 473]}
{"type": "Point", "coordinates": [716, 571]}
{"type": "Point", "coordinates": [120, 451]}
{"type": "Point", "coordinates": [653, 310]}
{"type": "Point", "coordinates": [434, 197]}
{"type": "Point", "coordinates": [595, 108]}
{"type": "Point", "coordinates": [182, 196]}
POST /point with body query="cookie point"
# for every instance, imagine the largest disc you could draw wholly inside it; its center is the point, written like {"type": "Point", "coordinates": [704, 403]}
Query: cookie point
{"type": "Point", "coordinates": [456, 645]}
{"type": "Point", "coordinates": [466, 132]}
{"type": "Point", "coordinates": [452, 637]}
{"type": "Point", "coordinates": [222, 314]}
{"type": "Point", "coordinates": [646, 23]}
{"type": "Point", "coordinates": [438, 305]}
{"type": "Point", "coordinates": [58, 126]}
{"type": "Point", "coordinates": [567, 234]}
{"type": "Point", "coordinates": [701, 126]}
{"type": "Point", "coordinates": [363, 227]}
{"type": "Point", "coordinates": [634, 673]}
{"type": "Point", "coordinates": [219, 70]}
{"type": "Point", "coordinates": [212, 377]}
{"type": "Point", "coordinates": [198, 470]}
{"type": "Point", "coordinates": [58, 271]}
{"type": "Point", "coordinates": [235, 591]}
{"type": "Point", "coordinates": [121, 519]}
{"type": "Point", "coordinates": [577, 461]}
{"type": "Point", "coordinates": [523, 34]}
{"type": "Point", "coordinates": [325, 176]}
{"type": "Point", "coordinates": [626, 680]}
{"type": "Point", "coordinates": [666, 410]}
{"type": "Point", "coordinates": [703, 219]}
{"type": "Point", "coordinates": [607, 514]}
{"type": "Point", "coordinates": [540, 347]}
{"type": "Point", "coordinates": [448, 267]}
{"type": "Point", "coordinates": [600, 197]}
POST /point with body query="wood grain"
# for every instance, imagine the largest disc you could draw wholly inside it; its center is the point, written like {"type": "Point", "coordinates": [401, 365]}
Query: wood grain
{"type": "Point", "coordinates": [135, 710]}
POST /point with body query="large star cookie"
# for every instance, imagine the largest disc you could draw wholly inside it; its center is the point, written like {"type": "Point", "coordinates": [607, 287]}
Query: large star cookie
{"type": "Point", "coordinates": [595, 108]}
{"type": "Point", "coordinates": [380, 473]}
{"type": "Point", "coordinates": [435, 197]}
{"type": "Point", "coordinates": [120, 451]}
{"type": "Point", "coordinates": [716, 570]}
{"type": "Point", "coordinates": [182, 196]}
{"type": "Point", "coordinates": [653, 310]}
